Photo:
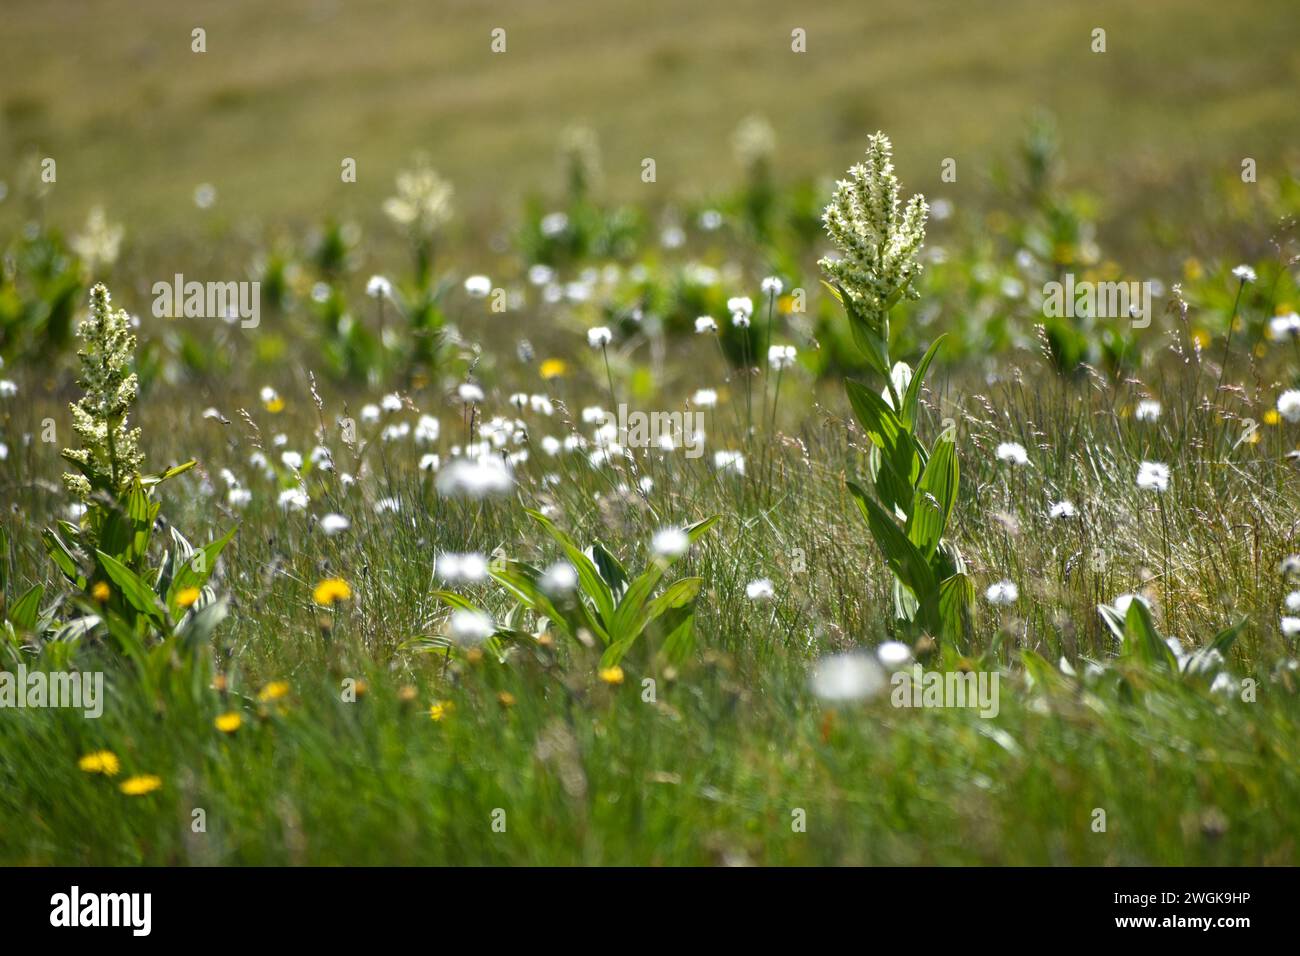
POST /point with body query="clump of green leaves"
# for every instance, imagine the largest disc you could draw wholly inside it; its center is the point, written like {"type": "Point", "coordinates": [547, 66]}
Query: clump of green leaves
{"type": "Point", "coordinates": [915, 487]}
{"type": "Point", "coordinates": [608, 605]}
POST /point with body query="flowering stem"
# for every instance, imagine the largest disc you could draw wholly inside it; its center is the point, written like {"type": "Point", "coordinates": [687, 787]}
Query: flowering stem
{"type": "Point", "coordinates": [1227, 340]}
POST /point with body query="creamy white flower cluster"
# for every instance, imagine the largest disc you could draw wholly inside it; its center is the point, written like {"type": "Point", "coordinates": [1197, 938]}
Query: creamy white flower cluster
{"type": "Point", "coordinates": [111, 452]}
{"type": "Point", "coordinates": [879, 263]}
{"type": "Point", "coordinates": [422, 203]}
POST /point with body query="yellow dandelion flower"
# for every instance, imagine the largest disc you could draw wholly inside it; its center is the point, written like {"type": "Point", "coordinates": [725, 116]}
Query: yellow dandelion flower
{"type": "Point", "coordinates": [100, 592]}
{"type": "Point", "coordinates": [140, 784]}
{"type": "Point", "coordinates": [101, 761]}
{"type": "Point", "coordinates": [440, 710]}
{"type": "Point", "coordinates": [275, 690]}
{"type": "Point", "coordinates": [1192, 269]}
{"type": "Point", "coordinates": [1271, 417]}
{"type": "Point", "coordinates": [228, 723]}
{"type": "Point", "coordinates": [275, 405]}
{"type": "Point", "coordinates": [331, 590]}
{"type": "Point", "coordinates": [612, 675]}
{"type": "Point", "coordinates": [506, 699]}
{"type": "Point", "coordinates": [554, 368]}
{"type": "Point", "coordinates": [188, 596]}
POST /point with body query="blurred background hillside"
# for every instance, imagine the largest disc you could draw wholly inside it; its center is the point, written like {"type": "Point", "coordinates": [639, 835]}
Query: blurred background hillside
{"type": "Point", "coordinates": [286, 90]}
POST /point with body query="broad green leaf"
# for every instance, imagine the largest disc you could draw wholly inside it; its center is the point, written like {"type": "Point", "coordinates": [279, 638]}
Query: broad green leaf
{"type": "Point", "coordinates": [1143, 640]}
{"type": "Point", "coordinates": [1224, 640]}
{"type": "Point", "coordinates": [936, 493]}
{"type": "Point", "coordinates": [452, 599]}
{"type": "Point", "coordinates": [63, 557]}
{"type": "Point", "coordinates": [956, 598]}
{"type": "Point", "coordinates": [138, 594]}
{"type": "Point", "coordinates": [26, 610]}
{"type": "Point", "coordinates": [871, 340]}
{"type": "Point", "coordinates": [900, 554]}
{"type": "Point", "coordinates": [150, 480]}
{"type": "Point", "coordinates": [680, 641]}
{"type": "Point", "coordinates": [187, 575]}
{"type": "Point", "coordinates": [76, 629]}
{"type": "Point", "coordinates": [912, 397]}
{"type": "Point", "coordinates": [593, 585]}
{"type": "Point", "coordinates": [610, 570]}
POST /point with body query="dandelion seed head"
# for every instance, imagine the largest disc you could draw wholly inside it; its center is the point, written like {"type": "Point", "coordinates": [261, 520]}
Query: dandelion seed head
{"type": "Point", "coordinates": [670, 543]}
{"type": "Point", "coordinates": [847, 677]}
{"type": "Point", "coordinates": [1013, 453]}
{"type": "Point", "coordinates": [1002, 593]}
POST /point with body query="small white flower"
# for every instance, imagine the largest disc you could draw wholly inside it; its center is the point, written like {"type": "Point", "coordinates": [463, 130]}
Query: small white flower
{"type": "Point", "coordinates": [1290, 564]}
{"type": "Point", "coordinates": [471, 627]}
{"type": "Point", "coordinates": [729, 462]}
{"type": "Point", "coordinates": [1063, 509]}
{"type": "Point", "coordinates": [845, 677]}
{"type": "Point", "coordinates": [478, 287]}
{"type": "Point", "coordinates": [427, 429]}
{"type": "Point", "coordinates": [370, 413]}
{"type": "Point", "coordinates": [1244, 273]}
{"type": "Point", "coordinates": [740, 305]}
{"type": "Point", "coordinates": [705, 324]}
{"type": "Point", "coordinates": [379, 288]}
{"type": "Point", "coordinates": [670, 542]}
{"type": "Point", "coordinates": [760, 590]}
{"type": "Point", "coordinates": [332, 524]}
{"type": "Point", "coordinates": [291, 459]}
{"type": "Point", "coordinates": [894, 654]}
{"type": "Point", "coordinates": [391, 402]}
{"type": "Point", "coordinates": [772, 285]}
{"type": "Point", "coordinates": [428, 462]}
{"type": "Point", "coordinates": [239, 497]}
{"type": "Point", "coordinates": [704, 398]}
{"type": "Point", "coordinates": [469, 393]}
{"type": "Point", "coordinates": [781, 356]}
{"type": "Point", "coordinates": [1147, 411]}
{"type": "Point", "coordinates": [293, 499]}
{"type": "Point", "coordinates": [1291, 626]}
{"type": "Point", "coordinates": [553, 224]}
{"type": "Point", "coordinates": [475, 478]}
{"type": "Point", "coordinates": [1153, 476]}
{"type": "Point", "coordinates": [1012, 452]}
{"type": "Point", "coordinates": [461, 568]}
{"type": "Point", "coordinates": [1284, 326]}
{"type": "Point", "coordinates": [740, 320]}
{"type": "Point", "coordinates": [1288, 405]}
{"type": "Point", "coordinates": [1293, 601]}
{"type": "Point", "coordinates": [599, 337]}
{"type": "Point", "coordinates": [1002, 593]}
{"type": "Point", "coordinates": [559, 579]}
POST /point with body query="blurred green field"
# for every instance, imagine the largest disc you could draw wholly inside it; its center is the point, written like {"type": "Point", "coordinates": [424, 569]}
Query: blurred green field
{"type": "Point", "coordinates": [322, 436]}
{"type": "Point", "coordinates": [136, 120]}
